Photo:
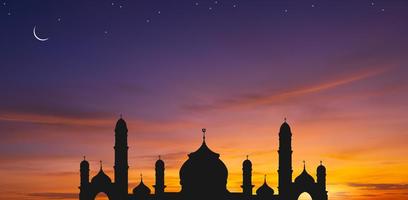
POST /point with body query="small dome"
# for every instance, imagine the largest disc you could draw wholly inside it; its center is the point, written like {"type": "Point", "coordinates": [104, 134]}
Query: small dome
{"type": "Point", "coordinates": [304, 178]}
{"type": "Point", "coordinates": [159, 163]}
{"type": "Point", "coordinates": [141, 189]}
{"type": "Point", "coordinates": [121, 125]}
{"type": "Point", "coordinates": [321, 169]}
{"type": "Point", "coordinates": [84, 164]}
{"type": "Point", "coordinates": [247, 163]}
{"type": "Point", "coordinates": [285, 129]}
{"type": "Point", "coordinates": [265, 190]}
{"type": "Point", "coordinates": [101, 178]}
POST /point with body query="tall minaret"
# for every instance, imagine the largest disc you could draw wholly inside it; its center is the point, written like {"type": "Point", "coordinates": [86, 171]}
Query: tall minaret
{"type": "Point", "coordinates": [285, 160]}
{"type": "Point", "coordinates": [321, 180]}
{"type": "Point", "coordinates": [247, 178]}
{"type": "Point", "coordinates": [84, 171]}
{"type": "Point", "coordinates": [159, 186]}
{"type": "Point", "coordinates": [121, 158]}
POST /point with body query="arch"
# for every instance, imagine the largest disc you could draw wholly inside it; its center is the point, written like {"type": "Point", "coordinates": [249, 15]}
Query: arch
{"type": "Point", "coordinates": [304, 196]}
{"type": "Point", "coordinates": [96, 192]}
{"type": "Point", "coordinates": [101, 196]}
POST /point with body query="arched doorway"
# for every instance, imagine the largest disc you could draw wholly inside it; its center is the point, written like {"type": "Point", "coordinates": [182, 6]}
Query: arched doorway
{"type": "Point", "coordinates": [101, 196]}
{"type": "Point", "coordinates": [305, 196]}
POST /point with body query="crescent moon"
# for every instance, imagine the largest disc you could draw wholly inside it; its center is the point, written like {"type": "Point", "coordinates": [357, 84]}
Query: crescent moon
{"type": "Point", "coordinates": [38, 38]}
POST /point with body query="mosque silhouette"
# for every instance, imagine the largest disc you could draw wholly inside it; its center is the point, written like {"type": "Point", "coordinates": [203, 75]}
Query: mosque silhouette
{"type": "Point", "coordinates": [202, 177]}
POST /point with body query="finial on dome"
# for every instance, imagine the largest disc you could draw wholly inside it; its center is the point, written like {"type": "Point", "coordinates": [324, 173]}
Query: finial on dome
{"type": "Point", "coordinates": [120, 115]}
{"type": "Point", "coordinates": [84, 158]}
{"type": "Point", "coordinates": [304, 165]}
{"type": "Point", "coordinates": [265, 178]}
{"type": "Point", "coordinates": [204, 130]}
{"type": "Point", "coordinates": [321, 163]}
{"type": "Point", "coordinates": [247, 157]}
{"type": "Point", "coordinates": [285, 119]}
{"type": "Point", "coordinates": [100, 163]}
{"type": "Point", "coordinates": [159, 157]}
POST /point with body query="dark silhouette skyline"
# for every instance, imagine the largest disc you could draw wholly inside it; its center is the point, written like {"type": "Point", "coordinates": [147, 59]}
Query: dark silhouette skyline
{"type": "Point", "coordinates": [202, 176]}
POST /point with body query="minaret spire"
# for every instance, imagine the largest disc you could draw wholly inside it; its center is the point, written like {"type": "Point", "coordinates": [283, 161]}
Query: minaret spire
{"type": "Point", "coordinates": [204, 130]}
{"type": "Point", "coordinates": [100, 163]}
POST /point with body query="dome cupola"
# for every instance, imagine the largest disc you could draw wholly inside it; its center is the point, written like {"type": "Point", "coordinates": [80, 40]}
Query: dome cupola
{"type": "Point", "coordinates": [159, 163]}
{"type": "Point", "coordinates": [141, 189]}
{"type": "Point", "coordinates": [285, 129]}
{"type": "Point", "coordinates": [101, 178]}
{"type": "Point", "coordinates": [265, 191]}
{"type": "Point", "coordinates": [247, 164]}
{"type": "Point", "coordinates": [203, 172]}
{"type": "Point", "coordinates": [321, 169]}
{"type": "Point", "coordinates": [84, 164]}
{"type": "Point", "coordinates": [304, 177]}
{"type": "Point", "coordinates": [121, 125]}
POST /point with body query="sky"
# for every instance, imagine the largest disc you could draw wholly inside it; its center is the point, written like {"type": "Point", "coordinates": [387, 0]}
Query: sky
{"type": "Point", "coordinates": [335, 69]}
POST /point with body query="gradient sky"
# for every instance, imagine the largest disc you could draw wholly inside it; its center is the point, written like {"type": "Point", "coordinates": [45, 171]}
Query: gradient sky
{"type": "Point", "coordinates": [336, 69]}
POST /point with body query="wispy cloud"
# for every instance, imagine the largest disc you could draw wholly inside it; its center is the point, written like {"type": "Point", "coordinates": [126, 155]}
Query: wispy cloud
{"type": "Point", "coordinates": [51, 195]}
{"type": "Point", "coordinates": [379, 186]}
{"type": "Point", "coordinates": [267, 98]}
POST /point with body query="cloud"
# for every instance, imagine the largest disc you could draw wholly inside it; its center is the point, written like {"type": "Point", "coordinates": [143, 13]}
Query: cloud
{"type": "Point", "coordinates": [52, 195]}
{"type": "Point", "coordinates": [379, 186]}
{"type": "Point", "coordinates": [267, 98]}
{"type": "Point", "coordinates": [54, 119]}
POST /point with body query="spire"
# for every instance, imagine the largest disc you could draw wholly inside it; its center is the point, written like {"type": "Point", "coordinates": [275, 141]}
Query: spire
{"type": "Point", "coordinates": [100, 163]}
{"type": "Point", "coordinates": [204, 130]}
{"type": "Point", "coordinates": [247, 157]}
{"type": "Point", "coordinates": [84, 158]}
{"type": "Point", "coordinates": [141, 177]}
{"type": "Point", "coordinates": [265, 178]}
{"type": "Point", "coordinates": [321, 163]}
{"type": "Point", "coordinates": [304, 165]}
{"type": "Point", "coordinates": [284, 119]}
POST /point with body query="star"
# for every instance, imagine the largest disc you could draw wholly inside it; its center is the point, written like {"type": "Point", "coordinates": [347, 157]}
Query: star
{"type": "Point", "coordinates": [106, 32]}
{"type": "Point", "coordinates": [147, 20]}
{"type": "Point", "coordinates": [120, 6]}
{"type": "Point", "coordinates": [234, 6]}
{"type": "Point", "coordinates": [113, 4]}
{"type": "Point", "coordinates": [313, 5]}
{"type": "Point", "coordinates": [209, 8]}
{"type": "Point", "coordinates": [372, 3]}
{"type": "Point", "coordinates": [383, 10]}
{"type": "Point", "coordinates": [59, 19]}
{"type": "Point", "coordinates": [159, 12]}
{"type": "Point", "coordinates": [215, 2]}
{"type": "Point", "coordinates": [4, 4]}
{"type": "Point", "coordinates": [196, 3]}
{"type": "Point", "coordinates": [286, 10]}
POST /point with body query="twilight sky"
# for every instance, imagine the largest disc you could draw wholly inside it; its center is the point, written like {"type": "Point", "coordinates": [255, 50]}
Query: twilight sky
{"type": "Point", "coordinates": [336, 69]}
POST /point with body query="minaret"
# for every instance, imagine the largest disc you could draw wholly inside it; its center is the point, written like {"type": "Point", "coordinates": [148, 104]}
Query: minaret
{"type": "Point", "coordinates": [285, 160]}
{"type": "Point", "coordinates": [84, 170]}
{"type": "Point", "coordinates": [159, 186]}
{"type": "Point", "coordinates": [321, 180]}
{"type": "Point", "coordinates": [121, 158]}
{"type": "Point", "coordinates": [247, 178]}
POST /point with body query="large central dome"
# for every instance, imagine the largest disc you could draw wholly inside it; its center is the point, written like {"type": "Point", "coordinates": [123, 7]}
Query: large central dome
{"type": "Point", "coordinates": [203, 173]}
